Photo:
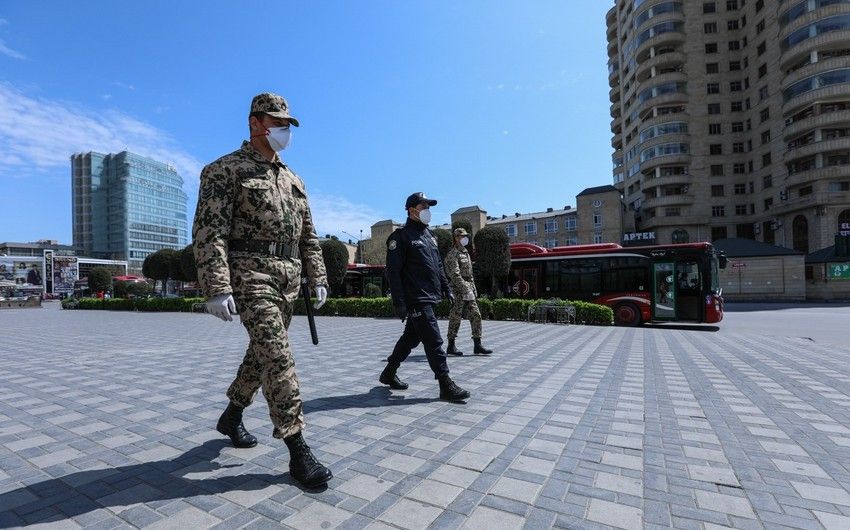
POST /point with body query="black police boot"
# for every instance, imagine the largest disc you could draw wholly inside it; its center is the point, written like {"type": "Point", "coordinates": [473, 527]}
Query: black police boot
{"type": "Point", "coordinates": [303, 466]}
{"type": "Point", "coordinates": [449, 391]}
{"type": "Point", "coordinates": [479, 349]}
{"type": "Point", "coordinates": [452, 350]}
{"type": "Point", "coordinates": [230, 424]}
{"type": "Point", "coordinates": [389, 377]}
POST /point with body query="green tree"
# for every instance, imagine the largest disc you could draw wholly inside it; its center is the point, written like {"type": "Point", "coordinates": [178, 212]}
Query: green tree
{"type": "Point", "coordinates": [494, 256]}
{"type": "Point", "coordinates": [335, 255]}
{"type": "Point", "coordinates": [130, 289]}
{"type": "Point", "coordinates": [155, 267]}
{"type": "Point", "coordinates": [444, 240]}
{"type": "Point", "coordinates": [100, 279]}
{"type": "Point", "coordinates": [187, 264]}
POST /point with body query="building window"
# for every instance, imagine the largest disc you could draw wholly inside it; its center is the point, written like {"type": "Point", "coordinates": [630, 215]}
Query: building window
{"type": "Point", "coordinates": [550, 226]}
{"type": "Point", "coordinates": [570, 241]}
{"type": "Point", "coordinates": [740, 189]}
{"type": "Point", "coordinates": [710, 27]}
{"type": "Point", "coordinates": [718, 232]}
{"type": "Point", "coordinates": [736, 106]}
{"type": "Point", "coordinates": [739, 169]}
{"type": "Point", "coordinates": [673, 211]}
{"type": "Point", "coordinates": [763, 93]}
{"type": "Point", "coordinates": [765, 136]}
{"type": "Point", "coordinates": [759, 5]}
{"type": "Point", "coordinates": [740, 209]}
{"type": "Point", "coordinates": [597, 238]}
{"type": "Point", "coordinates": [711, 47]}
{"type": "Point", "coordinates": [549, 243]}
{"type": "Point", "coordinates": [764, 115]}
{"type": "Point", "coordinates": [766, 160]}
{"type": "Point", "coordinates": [734, 45]}
{"type": "Point", "coordinates": [530, 228]}
{"type": "Point", "coordinates": [681, 236]}
{"type": "Point", "coordinates": [712, 88]}
{"type": "Point", "coordinates": [768, 203]}
{"type": "Point", "coordinates": [738, 147]}
{"type": "Point", "coordinates": [734, 86]}
{"type": "Point", "coordinates": [841, 185]}
{"type": "Point", "coordinates": [715, 149]}
{"type": "Point", "coordinates": [737, 126]}
{"type": "Point", "coordinates": [734, 66]}
{"type": "Point", "coordinates": [732, 25]}
{"type": "Point", "coordinates": [570, 223]}
{"type": "Point", "coordinates": [714, 108]}
{"type": "Point", "coordinates": [597, 219]}
{"type": "Point", "coordinates": [510, 230]}
{"type": "Point", "coordinates": [714, 128]}
{"type": "Point", "coordinates": [731, 5]}
{"type": "Point", "coordinates": [709, 7]}
{"type": "Point", "coordinates": [717, 170]}
{"type": "Point", "coordinates": [718, 190]}
{"type": "Point", "coordinates": [718, 211]}
{"type": "Point", "coordinates": [712, 68]}
{"type": "Point", "coordinates": [762, 70]}
{"type": "Point", "coordinates": [767, 181]}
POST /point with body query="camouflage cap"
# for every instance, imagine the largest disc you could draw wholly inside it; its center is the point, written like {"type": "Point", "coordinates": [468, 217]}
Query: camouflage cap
{"type": "Point", "coordinates": [460, 232]}
{"type": "Point", "coordinates": [273, 105]}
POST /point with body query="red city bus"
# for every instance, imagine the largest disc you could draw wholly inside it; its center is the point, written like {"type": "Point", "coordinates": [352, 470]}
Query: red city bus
{"type": "Point", "coordinates": [364, 281]}
{"type": "Point", "coordinates": [669, 283]}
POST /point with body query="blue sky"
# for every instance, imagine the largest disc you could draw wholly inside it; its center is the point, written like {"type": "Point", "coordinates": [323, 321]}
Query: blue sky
{"type": "Point", "coordinates": [503, 104]}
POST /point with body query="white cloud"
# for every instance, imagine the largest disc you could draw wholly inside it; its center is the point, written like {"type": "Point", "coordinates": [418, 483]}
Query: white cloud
{"type": "Point", "coordinates": [106, 97]}
{"type": "Point", "coordinates": [41, 134]}
{"type": "Point", "coordinates": [333, 215]}
{"type": "Point", "coordinates": [5, 50]}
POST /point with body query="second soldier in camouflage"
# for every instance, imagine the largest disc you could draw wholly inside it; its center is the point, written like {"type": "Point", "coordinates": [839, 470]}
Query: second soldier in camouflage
{"type": "Point", "coordinates": [458, 267]}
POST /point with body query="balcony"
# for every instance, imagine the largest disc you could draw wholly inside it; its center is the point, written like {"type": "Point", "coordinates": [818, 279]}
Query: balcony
{"type": "Point", "coordinates": [813, 16]}
{"type": "Point", "coordinates": [667, 160]}
{"type": "Point", "coordinates": [669, 59]}
{"type": "Point", "coordinates": [614, 93]}
{"type": "Point", "coordinates": [838, 92]}
{"type": "Point", "coordinates": [841, 117]}
{"type": "Point", "coordinates": [823, 146]}
{"type": "Point", "coordinates": [667, 200]}
{"type": "Point", "coordinates": [816, 175]}
{"type": "Point", "coordinates": [799, 203]}
{"type": "Point", "coordinates": [613, 48]}
{"type": "Point", "coordinates": [828, 41]}
{"type": "Point", "coordinates": [811, 69]}
{"type": "Point", "coordinates": [670, 37]}
{"type": "Point", "coordinates": [670, 180]}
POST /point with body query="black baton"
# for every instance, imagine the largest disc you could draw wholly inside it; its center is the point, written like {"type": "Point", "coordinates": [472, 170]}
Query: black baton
{"type": "Point", "coordinates": [308, 307]}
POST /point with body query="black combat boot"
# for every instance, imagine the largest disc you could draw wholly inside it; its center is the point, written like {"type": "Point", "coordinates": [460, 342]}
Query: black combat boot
{"type": "Point", "coordinates": [303, 466]}
{"type": "Point", "coordinates": [479, 349]}
{"type": "Point", "coordinates": [452, 350]}
{"type": "Point", "coordinates": [449, 391]}
{"type": "Point", "coordinates": [389, 377]}
{"type": "Point", "coordinates": [230, 424]}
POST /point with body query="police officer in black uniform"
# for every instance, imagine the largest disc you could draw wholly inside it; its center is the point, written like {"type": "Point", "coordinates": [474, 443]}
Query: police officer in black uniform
{"type": "Point", "coordinates": [417, 283]}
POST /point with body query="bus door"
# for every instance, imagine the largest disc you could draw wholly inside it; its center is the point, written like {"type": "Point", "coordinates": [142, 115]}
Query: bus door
{"type": "Point", "coordinates": [663, 291]}
{"type": "Point", "coordinates": [524, 282]}
{"type": "Point", "coordinates": [689, 297]}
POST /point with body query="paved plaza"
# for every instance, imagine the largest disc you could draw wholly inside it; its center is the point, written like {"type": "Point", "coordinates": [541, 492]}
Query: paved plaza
{"type": "Point", "coordinates": [106, 421]}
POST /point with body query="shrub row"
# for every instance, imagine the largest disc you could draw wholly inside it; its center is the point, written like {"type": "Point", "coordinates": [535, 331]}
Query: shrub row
{"type": "Point", "coordinates": [500, 309]}
{"type": "Point", "coordinates": [136, 304]}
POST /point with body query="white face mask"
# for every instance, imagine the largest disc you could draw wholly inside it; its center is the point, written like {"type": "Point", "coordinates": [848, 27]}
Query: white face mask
{"type": "Point", "coordinates": [279, 137]}
{"type": "Point", "coordinates": [425, 216]}
{"type": "Point", "coordinates": [464, 241]}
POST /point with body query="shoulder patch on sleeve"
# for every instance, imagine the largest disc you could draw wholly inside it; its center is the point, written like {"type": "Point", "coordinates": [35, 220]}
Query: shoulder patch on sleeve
{"type": "Point", "coordinates": [392, 244]}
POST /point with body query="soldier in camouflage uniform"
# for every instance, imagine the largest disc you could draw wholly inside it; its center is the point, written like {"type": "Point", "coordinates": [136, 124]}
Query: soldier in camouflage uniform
{"type": "Point", "coordinates": [458, 267]}
{"type": "Point", "coordinates": [252, 234]}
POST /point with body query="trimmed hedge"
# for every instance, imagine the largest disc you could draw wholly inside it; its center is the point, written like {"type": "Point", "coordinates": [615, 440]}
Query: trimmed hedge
{"type": "Point", "coordinates": [500, 309]}
{"type": "Point", "coordinates": [137, 304]}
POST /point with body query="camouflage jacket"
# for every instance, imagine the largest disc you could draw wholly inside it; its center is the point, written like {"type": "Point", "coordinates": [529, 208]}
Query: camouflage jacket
{"type": "Point", "coordinates": [245, 196]}
{"type": "Point", "coordinates": [459, 270]}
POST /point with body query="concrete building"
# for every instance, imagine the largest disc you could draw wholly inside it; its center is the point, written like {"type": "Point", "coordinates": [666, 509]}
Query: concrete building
{"type": "Point", "coordinates": [731, 118]}
{"type": "Point", "coordinates": [126, 206]}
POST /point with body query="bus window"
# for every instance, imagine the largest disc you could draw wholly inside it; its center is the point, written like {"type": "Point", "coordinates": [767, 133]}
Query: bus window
{"type": "Point", "coordinates": [625, 279]}
{"type": "Point", "coordinates": [687, 276]}
{"type": "Point", "coordinates": [580, 277]}
{"type": "Point", "coordinates": [665, 291]}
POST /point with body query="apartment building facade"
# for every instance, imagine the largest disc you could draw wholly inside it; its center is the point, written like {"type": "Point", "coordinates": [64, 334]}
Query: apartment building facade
{"type": "Point", "coordinates": [731, 118]}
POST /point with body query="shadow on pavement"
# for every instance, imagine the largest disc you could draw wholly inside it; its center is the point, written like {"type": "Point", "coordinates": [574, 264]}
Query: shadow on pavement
{"type": "Point", "coordinates": [684, 327]}
{"type": "Point", "coordinates": [86, 491]}
{"type": "Point", "coordinates": [379, 396]}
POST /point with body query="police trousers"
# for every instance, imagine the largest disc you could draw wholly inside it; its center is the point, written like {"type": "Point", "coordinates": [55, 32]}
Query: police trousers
{"type": "Point", "coordinates": [421, 327]}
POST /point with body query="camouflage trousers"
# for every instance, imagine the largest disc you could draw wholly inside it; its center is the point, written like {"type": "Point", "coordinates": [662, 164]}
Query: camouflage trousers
{"type": "Point", "coordinates": [456, 315]}
{"type": "Point", "coordinates": [268, 363]}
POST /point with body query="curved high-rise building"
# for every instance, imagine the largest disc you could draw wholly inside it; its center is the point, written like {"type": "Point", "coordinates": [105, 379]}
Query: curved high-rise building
{"type": "Point", "coordinates": [731, 118]}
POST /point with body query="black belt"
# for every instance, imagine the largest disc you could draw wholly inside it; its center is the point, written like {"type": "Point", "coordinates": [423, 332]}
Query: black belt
{"type": "Point", "coordinates": [278, 249]}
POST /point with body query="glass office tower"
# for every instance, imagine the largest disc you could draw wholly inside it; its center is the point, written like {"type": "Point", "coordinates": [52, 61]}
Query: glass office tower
{"type": "Point", "coordinates": [126, 206]}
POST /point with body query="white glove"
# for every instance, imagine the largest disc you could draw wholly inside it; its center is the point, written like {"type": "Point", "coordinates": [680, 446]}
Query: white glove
{"type": "Point", "coordinates": [470, 296]}
{"type": "Point", "coordinates": [222, 306]}
{"type": "Point", "coordinates": [321, 296]}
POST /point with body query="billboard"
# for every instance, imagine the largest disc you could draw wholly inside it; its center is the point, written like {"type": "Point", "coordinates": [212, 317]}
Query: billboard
{"type": "Point", "coordinates": [65, 273]}
{"type": "Point", "coordinates": [15, 272]}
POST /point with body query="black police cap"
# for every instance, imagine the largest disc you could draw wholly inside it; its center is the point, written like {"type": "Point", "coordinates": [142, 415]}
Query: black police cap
{"type": "Point", "coordinates": [418, 198]}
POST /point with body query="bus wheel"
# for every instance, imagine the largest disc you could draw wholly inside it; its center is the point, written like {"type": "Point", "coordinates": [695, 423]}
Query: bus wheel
{"type": "Point", "coordinates": [626, 315]}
